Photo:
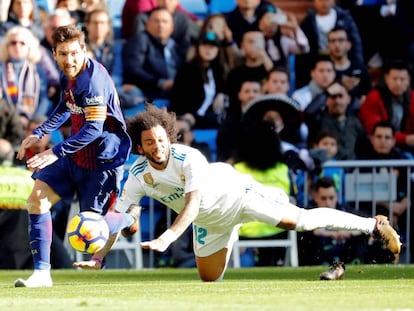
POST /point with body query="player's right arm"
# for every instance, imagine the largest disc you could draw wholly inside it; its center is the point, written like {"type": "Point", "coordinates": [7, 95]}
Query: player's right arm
{"type": "Point", "coordinates": [181, 223]}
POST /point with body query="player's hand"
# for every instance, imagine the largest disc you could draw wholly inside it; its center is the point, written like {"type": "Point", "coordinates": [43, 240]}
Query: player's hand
{"type": "Point", "coordinates": [28, 142]}
{"type": "Point", "coordinates": [88, 264]}
{"type": "Point", "coordinates": [162, 243]}
{"type": "Point", "coordinates": [155, 245]}
{"type": "Point", "coordinates": [41, 160]}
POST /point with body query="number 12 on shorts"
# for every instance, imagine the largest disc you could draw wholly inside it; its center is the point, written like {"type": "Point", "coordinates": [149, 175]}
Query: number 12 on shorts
{"type": "Point", "coordinates": [200, 234]}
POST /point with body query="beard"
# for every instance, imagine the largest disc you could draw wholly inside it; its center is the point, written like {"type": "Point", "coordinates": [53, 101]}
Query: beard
{"type": "Point", "coordinates": [159, 162]}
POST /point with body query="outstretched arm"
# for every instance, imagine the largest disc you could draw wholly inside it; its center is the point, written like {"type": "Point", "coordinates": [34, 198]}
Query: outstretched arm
{"type": "Point", "coordinates": [181, 223]}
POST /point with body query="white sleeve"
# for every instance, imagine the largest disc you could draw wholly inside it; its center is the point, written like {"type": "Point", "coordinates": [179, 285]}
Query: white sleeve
{"type": "Point", "coordinates": [132, 193]}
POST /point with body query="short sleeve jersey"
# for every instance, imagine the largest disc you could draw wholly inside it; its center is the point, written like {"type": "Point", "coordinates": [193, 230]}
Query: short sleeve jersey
{"type": "Point", "coordinates": [187, 170]}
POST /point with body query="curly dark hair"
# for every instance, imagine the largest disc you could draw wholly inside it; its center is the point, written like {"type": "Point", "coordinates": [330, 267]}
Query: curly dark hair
{"type": "Point", "coordinates": [151, 117]}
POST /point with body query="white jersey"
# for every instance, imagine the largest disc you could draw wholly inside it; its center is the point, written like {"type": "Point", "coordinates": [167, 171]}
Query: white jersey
{"type": "Point", "coordinates": [188, 170]}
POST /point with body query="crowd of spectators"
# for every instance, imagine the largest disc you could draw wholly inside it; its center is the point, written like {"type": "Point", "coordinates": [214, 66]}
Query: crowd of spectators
{"type": "Point", "coordinates": [334, 78]}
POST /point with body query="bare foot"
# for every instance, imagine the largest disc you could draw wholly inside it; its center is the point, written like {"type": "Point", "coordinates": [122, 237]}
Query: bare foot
{"type": "Point", "coordinates": [88, 264]}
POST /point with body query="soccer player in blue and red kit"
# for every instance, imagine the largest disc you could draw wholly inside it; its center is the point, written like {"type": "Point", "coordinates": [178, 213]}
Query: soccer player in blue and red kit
{"type": "Point", "coordinates": [88, 163]}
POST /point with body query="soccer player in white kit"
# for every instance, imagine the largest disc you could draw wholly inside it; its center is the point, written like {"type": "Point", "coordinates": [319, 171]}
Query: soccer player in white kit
{"type": "Point", "coordinates": [215, 198]}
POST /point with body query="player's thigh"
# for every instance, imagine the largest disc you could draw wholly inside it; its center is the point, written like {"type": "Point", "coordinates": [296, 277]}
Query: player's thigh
{"type": "Point", "coordinates": [58, 176]}
{"type": "Point", "coordinates": [210, 268]}
{"type": "Point", "coordinates": [42, 198]}
{"type": "Point", "coordinates": [269, 205]}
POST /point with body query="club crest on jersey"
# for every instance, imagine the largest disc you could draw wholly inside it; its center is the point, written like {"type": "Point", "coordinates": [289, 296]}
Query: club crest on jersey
{"type": "Point", "coordinates": [182, 178]}
{"type": "Point", "coordinates": [148, 179]}
{"type": "Point", "coordinates": [71, 104]}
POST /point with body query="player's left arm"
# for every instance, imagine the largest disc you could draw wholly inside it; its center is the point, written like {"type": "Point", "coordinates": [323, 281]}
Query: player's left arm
{"type": "Point", "coordinates": [181, 223]}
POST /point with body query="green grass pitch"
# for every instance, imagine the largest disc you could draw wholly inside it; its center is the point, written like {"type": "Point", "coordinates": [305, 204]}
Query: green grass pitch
{"type": "Point", "coordinates": [365, 287]}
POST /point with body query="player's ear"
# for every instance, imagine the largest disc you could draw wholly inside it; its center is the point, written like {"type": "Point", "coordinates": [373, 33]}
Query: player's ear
{"type": "Point", "coordinates": [140, 150]}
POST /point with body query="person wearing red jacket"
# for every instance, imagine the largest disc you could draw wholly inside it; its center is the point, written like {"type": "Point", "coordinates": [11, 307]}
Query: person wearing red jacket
{"type": "Point", "coordinates": [392, 100]}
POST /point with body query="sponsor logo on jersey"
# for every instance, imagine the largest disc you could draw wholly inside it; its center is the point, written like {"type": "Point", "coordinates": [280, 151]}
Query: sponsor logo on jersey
{"type": "Point", "coordinates": [177, 195]}
{"type": "Point", "coordinates": [94, 100]}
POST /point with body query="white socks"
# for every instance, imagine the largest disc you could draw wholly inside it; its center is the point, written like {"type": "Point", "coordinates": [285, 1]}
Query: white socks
{"type": "Point", "coordinates": [332, 219]}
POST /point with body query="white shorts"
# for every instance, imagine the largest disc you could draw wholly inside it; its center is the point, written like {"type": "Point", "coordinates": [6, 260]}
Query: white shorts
{"type": "Point", "coordinates": [259, 203]}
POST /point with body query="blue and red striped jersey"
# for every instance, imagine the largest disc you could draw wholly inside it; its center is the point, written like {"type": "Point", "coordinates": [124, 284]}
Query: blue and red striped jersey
{"type": "Point", "coordinates": [98, 140]}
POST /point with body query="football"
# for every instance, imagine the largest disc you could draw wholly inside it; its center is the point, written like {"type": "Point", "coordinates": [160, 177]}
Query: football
{"type": "Point", "coordinates": [87, 232]}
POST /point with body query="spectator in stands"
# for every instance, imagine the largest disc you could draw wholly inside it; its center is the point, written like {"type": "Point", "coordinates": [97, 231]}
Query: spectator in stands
{"type": "Point", "coordinates": [392, 100]}
{"type": "Point", "coordinates": [283, 37]}
{"type": "Point", "coordinates": [185, 30]}
{"type": "Point", "coordinates": [75, 9]}
{"type": "Point", "coordinates": [229, 51]}
{"type": "Point", "coordinates": [245, 17]}
{"type": "Point", "coordinates": [129, 13]}
{"type": "Point", "coordinates": [383, 147]}
{"type": "Point", "coordinates": [24, 13]}
{"type": "Point", "coordinates": [277, 81]}
{"type": "Point", "coordinates": [91, 5]}
{"type": "Point", "coordinates": [354, 76]}
{"type": "Point", "coordinates": [316, 24]}
{"type": "Point", "coordinates": [186, 136]}
{"type": "Point", "coordinates": [327, 246]}
{"type": "Point", "coordinates": [229, 131]}
{"type": "Point", "coordinates": [269, 168]}
{"type": "Point", "coordinates": [351, 135]}
{"type": "Point", "coordinates": [204, 76]}
{"type": "Point", "coordinates": [152, 58]}
{"type": "Point", "coordinates": [324, 149]}
{"type": "Point", "coordinates": [11, 127]}
{"type": "Point", "coordinates": [132, 8]}
{"type": "Point", "coordinates": [283, 112]}
{"type": "Point", "coordinates": [99, 38]}
{"type": "Point", "coordinates": [312, 97]}
{"type": "Point", "coordinates": [101, 44]}
{"type": "Point", "coordinates": [387, 34]}
{"type": "Point", "coordinates": [23, 81]}
{"type": "Point", "coordinates": [256, 66]}
{"type": "Point", "coordinates": [59, 17]}
{"type": "Point", "coordinates": [322, 76]}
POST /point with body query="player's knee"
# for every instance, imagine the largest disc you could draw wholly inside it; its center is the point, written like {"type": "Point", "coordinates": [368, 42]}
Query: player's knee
{"type": "Point", "coordinates": [210, 275]}
{"type": "Point", "coordinates": [213, 277]}
{"type": "Point", "coordinates": [35, 205]}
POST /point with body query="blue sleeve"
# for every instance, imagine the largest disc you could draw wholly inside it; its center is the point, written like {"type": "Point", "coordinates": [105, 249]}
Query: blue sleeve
{"type": "Point", "coordinates": [55, 120]}
{"type": "Point", "coordinates": [89, 132]}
